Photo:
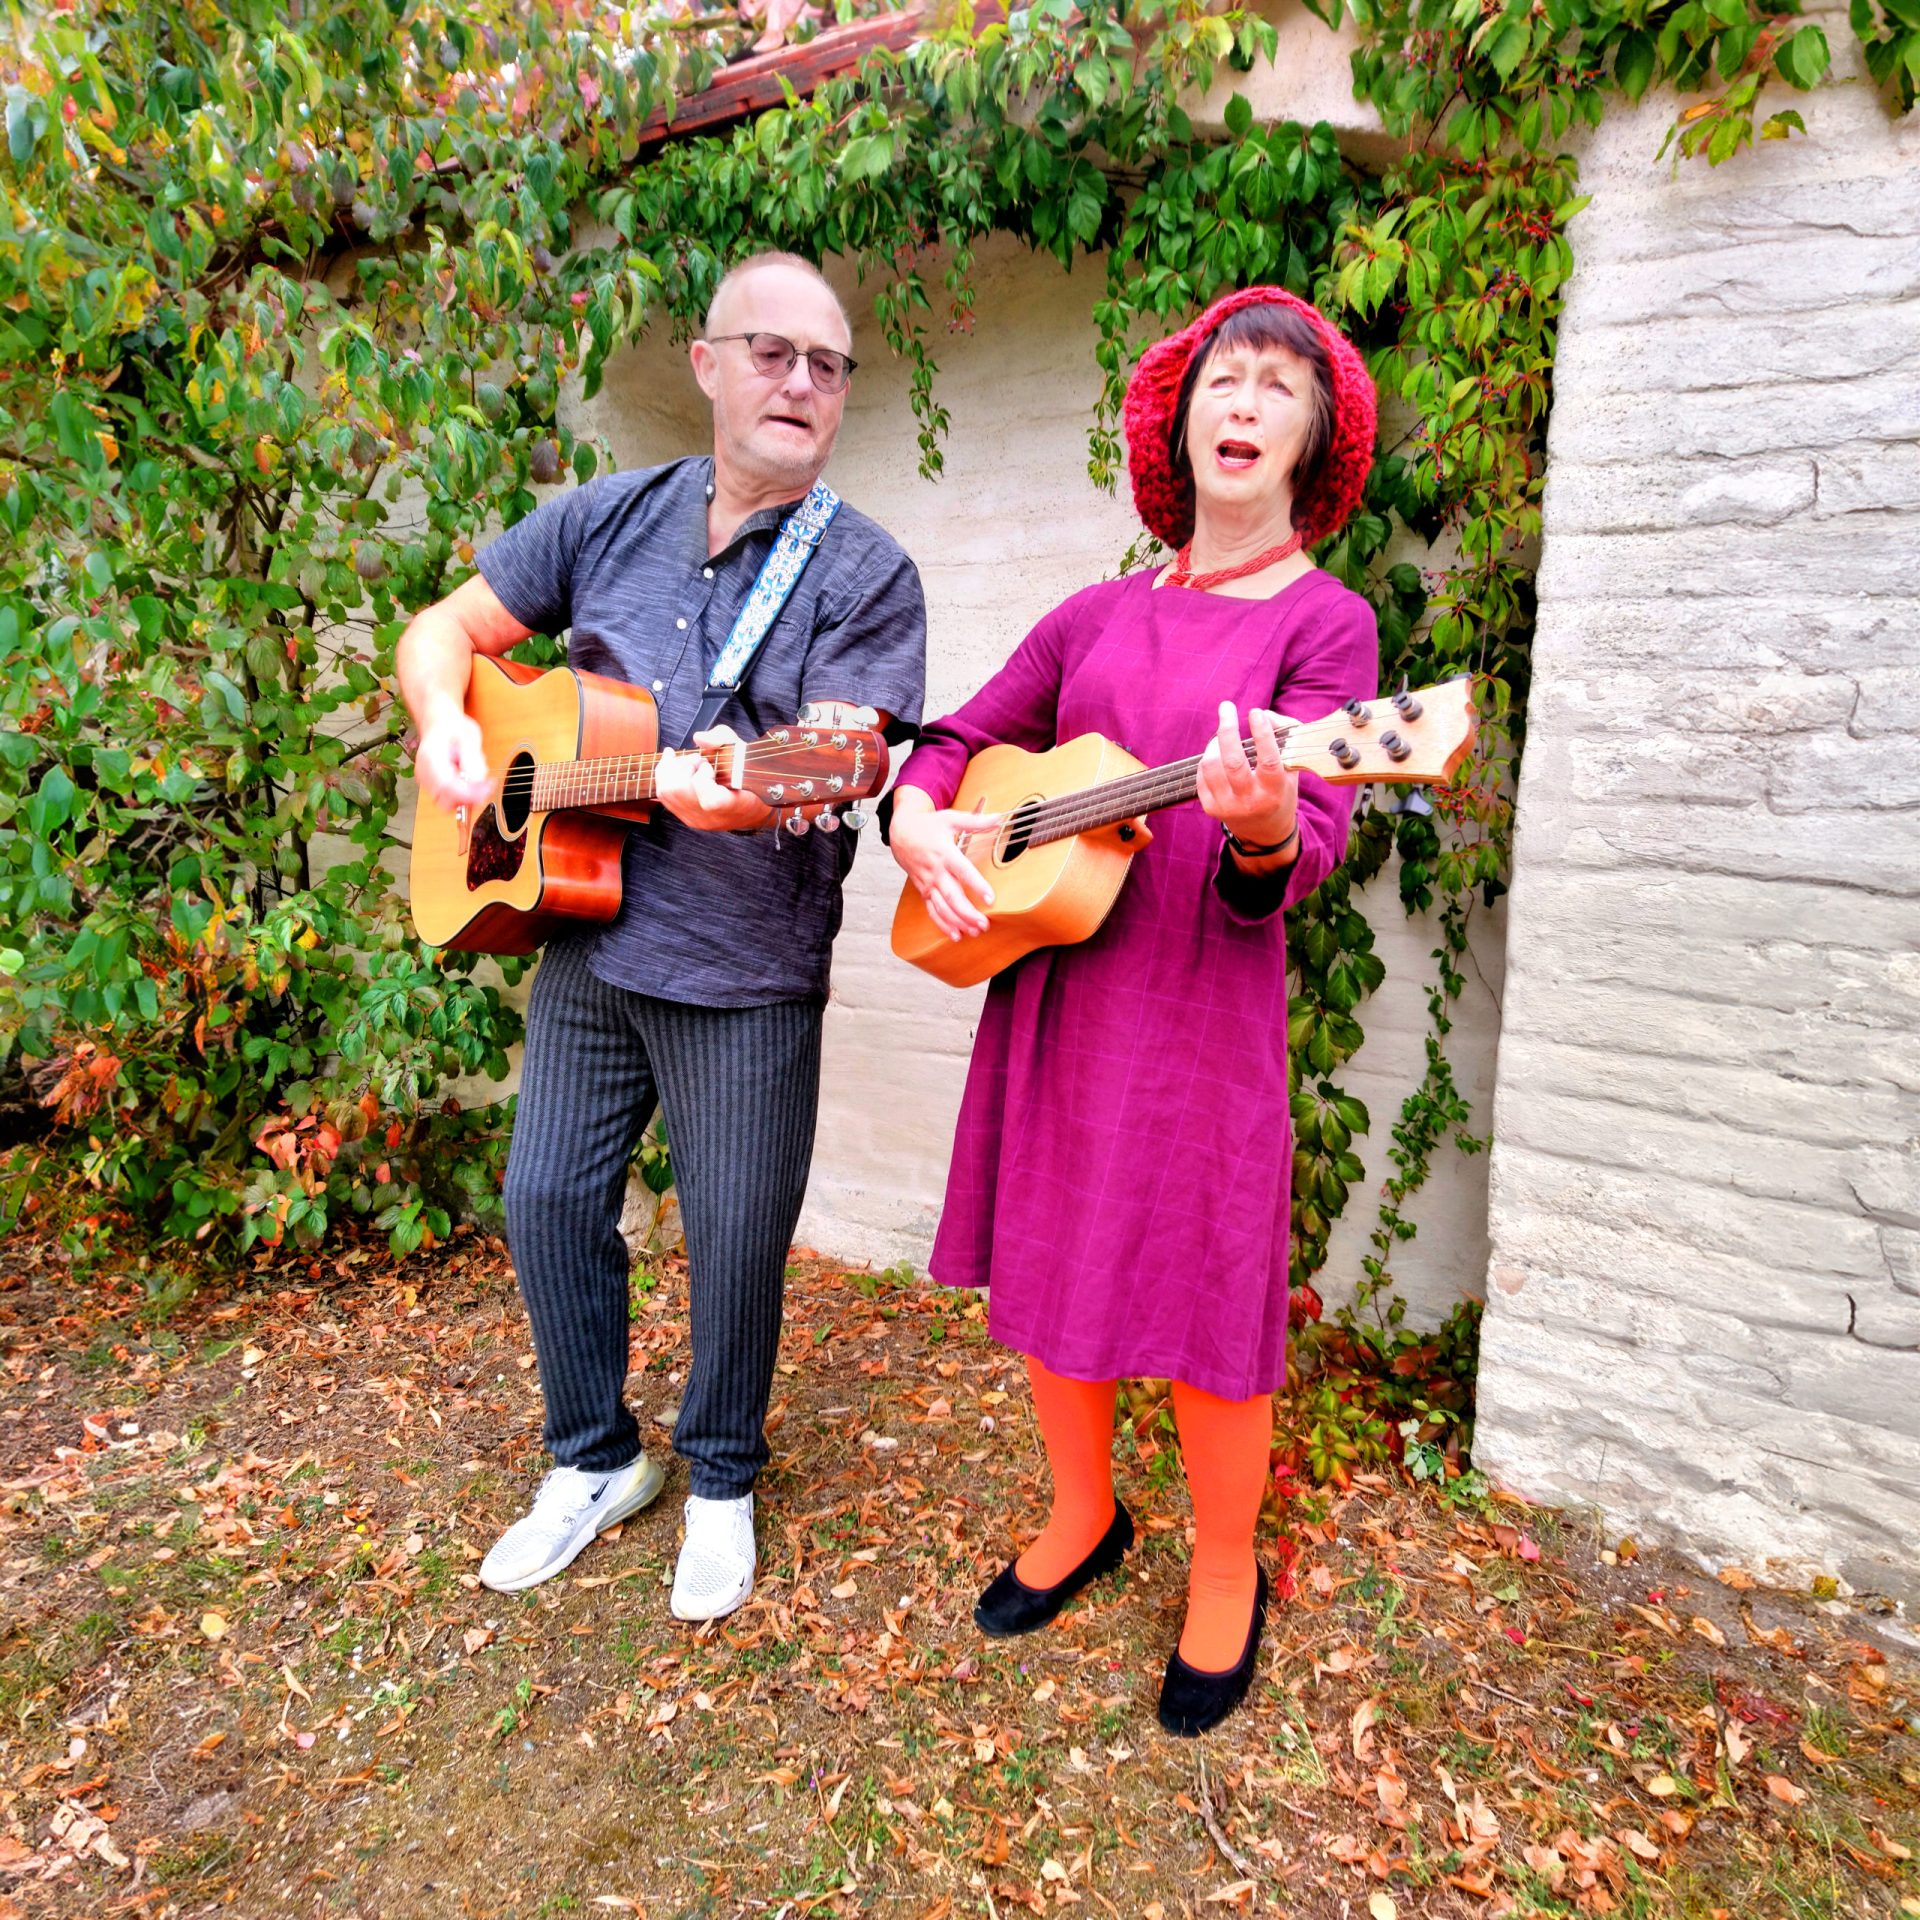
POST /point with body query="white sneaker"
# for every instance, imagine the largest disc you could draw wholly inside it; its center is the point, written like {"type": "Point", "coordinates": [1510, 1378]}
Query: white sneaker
{"type": "Point", "coordinates": [715, 1573]}
{"type": "Point", "coordinates": [571, 1507]}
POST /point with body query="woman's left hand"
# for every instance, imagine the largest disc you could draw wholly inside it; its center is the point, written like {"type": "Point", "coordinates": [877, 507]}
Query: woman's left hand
{"type": "Point", "coordinates": [1256, 803]}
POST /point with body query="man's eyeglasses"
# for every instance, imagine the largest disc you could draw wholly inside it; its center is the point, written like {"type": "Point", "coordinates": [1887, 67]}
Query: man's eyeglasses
{"type": "Point", "coordinates": [774, 353]}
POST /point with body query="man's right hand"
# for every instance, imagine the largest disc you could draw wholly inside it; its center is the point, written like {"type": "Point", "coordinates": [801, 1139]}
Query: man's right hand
{"type": "Point", "coordinates": [451, 764]}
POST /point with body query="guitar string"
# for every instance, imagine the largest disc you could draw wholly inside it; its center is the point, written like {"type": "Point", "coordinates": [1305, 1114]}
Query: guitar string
{"type": "Point", "coordinates": [1147, 790]}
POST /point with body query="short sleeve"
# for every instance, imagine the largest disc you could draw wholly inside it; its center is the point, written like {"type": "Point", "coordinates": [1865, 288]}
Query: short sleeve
{"type": "Point", "coordinates": [871, 648]}
{"type": "Point", "coordinates": [530, 566]}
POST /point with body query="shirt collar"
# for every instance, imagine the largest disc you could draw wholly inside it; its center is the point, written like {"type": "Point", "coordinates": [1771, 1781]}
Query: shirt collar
{"type": "Point", "coordinates": [767, 520]}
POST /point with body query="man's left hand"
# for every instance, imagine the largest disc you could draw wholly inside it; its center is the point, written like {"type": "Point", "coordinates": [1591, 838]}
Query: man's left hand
{"type": "Point", "coordinates": [690, 790]}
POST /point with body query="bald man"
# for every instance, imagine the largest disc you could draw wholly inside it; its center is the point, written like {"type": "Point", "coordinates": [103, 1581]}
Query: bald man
{"type": "Point", "coordinates": [704, 997]}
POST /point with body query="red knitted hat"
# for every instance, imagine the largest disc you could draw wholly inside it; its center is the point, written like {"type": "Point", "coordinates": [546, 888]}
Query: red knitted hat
{"type": "Point", "coordinates": [1164, 499]}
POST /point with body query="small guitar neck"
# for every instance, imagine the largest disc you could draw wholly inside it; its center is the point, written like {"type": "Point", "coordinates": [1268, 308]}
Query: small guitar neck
{"type": "Point", "coordinates": [1404, 738]}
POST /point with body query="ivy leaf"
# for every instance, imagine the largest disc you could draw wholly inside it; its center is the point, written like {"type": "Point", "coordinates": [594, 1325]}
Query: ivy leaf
{"type": "Point", "coordinates": [1632, 64]}
{"type": "Point", "coordinates": [1239, 117]}
{"type": "Point", "coordinates": [867, 157]}
{"type": "Point", "coordinates": [1506, 43]}
{"type": "Point", "coordinates": [1803, 58]}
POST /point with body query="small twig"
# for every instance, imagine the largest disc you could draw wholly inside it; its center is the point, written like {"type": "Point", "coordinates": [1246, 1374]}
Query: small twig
{"type": "Point", "coordinates": [1532, 1706]}
{"type": "Point", "coordinates": [1234, 1858]}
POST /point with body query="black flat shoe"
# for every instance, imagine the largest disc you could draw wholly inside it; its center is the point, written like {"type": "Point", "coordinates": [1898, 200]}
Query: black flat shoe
{"type": "Point", "coordinates": [1192, 1701]}
{"type": "Point", "coordinates": [1010, 1606]}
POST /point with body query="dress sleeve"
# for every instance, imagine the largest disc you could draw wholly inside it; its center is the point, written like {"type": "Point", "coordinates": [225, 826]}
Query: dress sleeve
{"type": "Point", "coordinates": [1020, 705]}
{"type": "Point", "coordinates": [1341, 662]}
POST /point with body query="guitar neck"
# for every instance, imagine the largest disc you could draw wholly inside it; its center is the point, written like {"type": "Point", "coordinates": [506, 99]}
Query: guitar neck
{"type": "Point", "coordinates": [617, 780]}
{"type": "Point", "coordinates": [1126, 798]}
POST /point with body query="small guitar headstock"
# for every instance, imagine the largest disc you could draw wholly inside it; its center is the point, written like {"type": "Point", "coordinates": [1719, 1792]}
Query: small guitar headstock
{"type": "Point", "coordinates": [1417, 738]}
{"type": "Point", "coordinates": [806, 766]}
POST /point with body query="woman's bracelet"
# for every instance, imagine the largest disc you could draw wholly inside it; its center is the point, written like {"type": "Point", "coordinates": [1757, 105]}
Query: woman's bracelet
{"type": "Point", "coordinates": [1248, 852]}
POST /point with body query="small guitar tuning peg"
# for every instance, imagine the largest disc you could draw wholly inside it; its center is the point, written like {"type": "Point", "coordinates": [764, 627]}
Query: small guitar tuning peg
{"type": "Point", "coordinates": [797, 824]}
{"type": "Point", "coordinates": [828, 821]}
{"type": "Point", "coordinates": [856, 817]}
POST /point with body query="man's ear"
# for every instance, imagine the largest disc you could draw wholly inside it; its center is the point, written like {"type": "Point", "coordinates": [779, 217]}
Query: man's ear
{"type": "Point", "coordinates": [705, 367]}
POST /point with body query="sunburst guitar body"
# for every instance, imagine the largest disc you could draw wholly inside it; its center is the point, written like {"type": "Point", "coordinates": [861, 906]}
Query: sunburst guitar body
{"type": "Point", "coordinates": [572, 757]}
{"type": "Point", "coordinates": [1074, 819]}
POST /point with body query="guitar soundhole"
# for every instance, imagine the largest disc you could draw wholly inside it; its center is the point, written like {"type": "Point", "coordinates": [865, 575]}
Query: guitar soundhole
{"type": "Point", "coordinates": [1016, 832]}
{"type": "Point", "coordinates": [490, 854]}
{"type": "Point", "coordinates": [516, 792]}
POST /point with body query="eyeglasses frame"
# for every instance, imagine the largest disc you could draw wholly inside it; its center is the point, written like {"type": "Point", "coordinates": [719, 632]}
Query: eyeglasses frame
{"type": "Point", "coordinates": [793, 353]}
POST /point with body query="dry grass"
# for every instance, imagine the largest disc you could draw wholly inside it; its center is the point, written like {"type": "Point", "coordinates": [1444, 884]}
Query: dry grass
{"type": "Point", "coordinates": [245, 1667]}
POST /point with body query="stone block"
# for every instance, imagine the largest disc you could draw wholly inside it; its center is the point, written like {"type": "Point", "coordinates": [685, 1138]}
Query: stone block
{"type": "Point", "coordinates": [1763, 420]}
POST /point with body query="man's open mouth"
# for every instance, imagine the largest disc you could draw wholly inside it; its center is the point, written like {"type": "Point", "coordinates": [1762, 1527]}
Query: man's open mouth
{"type": "Point", "coordinates": [1236, 454]}
{"type": "Point", "coordinates": [789, 420]}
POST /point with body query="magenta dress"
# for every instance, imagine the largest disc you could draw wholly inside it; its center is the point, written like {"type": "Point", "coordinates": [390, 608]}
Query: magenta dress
{"type": "Point", "coordinates": [1120, 1171]}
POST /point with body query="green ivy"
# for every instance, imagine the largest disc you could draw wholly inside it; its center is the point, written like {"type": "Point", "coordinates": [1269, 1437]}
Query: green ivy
{"type": "Point", "coordinates": [289, 301]}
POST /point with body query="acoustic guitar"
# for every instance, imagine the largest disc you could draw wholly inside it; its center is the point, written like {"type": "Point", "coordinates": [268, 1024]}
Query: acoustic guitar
{"type": "Point", "coordinates": [1073, 819]}
{"type": "Point", "coordinates": [574, 756]}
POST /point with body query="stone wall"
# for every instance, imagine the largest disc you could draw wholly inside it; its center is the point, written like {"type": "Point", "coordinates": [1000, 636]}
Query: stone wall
{"type": "Point", "coordinates": [1704, 1296]}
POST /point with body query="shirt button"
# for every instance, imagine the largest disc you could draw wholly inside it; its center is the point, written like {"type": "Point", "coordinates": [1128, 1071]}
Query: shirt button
{"type": "Point", "coordinates": [706, 573]}
{"type": "Point", "coordinates": [681, 624]}
{"type": "Point", "coordinates": [658, 685]}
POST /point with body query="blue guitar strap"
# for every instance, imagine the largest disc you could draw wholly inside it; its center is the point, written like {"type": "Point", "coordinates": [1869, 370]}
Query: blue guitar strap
{"type": "Point", "coordinates": [779, 574]}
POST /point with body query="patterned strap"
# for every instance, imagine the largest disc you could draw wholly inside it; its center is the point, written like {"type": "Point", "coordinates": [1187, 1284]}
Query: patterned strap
{"type": "Point", "coordinates": [779, 574]}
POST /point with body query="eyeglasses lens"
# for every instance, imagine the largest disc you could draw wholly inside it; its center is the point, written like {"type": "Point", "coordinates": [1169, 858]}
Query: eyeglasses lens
{"type": "Point", "coordinates": [773, 354]}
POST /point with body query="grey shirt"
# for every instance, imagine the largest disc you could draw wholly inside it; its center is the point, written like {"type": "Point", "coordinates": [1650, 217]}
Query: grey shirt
{"type": "Point", "coordinates": [717, 919]}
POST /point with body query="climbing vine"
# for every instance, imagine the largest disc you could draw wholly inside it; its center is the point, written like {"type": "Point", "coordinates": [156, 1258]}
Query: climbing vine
{"type": "Point", "coordinates": [291, 297]}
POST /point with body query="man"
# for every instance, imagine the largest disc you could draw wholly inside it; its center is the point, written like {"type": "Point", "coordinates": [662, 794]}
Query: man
{"type": "Point", "coordinates": [705, 995]}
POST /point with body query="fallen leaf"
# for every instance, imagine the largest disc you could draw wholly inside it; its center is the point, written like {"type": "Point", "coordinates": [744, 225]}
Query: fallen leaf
{"type": "Point", "coordinates": [1363, 1717]}
{"type": "Point", "coordinates": [845, 1590]}
{"type": "Point", "coordinates": [213, 1625]}
{"type": "Point", "coordinates": [1738, 1578]}
{"type": "Point", "coordinates": [1813, 1753]}
{"type": "Point", "coordinates": [1891, 1848]}
{"type": "Point", "coordinates": [1381, 1907]}
{"type": "Point", "coordinates": [1637, 1842]}
{"type": "Point", "coordinates": [1708, 1631]}
{"type": "Point", "coordinates": [1783, 1789]}
{"type": "Point", "coordinates": [1663, 1784]}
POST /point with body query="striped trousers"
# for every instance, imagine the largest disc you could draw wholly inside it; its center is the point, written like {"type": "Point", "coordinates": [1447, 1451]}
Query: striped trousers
{"type": "Point", "coordinates": [739, 1087]}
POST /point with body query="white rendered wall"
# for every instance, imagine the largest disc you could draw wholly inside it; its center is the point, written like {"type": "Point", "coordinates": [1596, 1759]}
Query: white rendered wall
{"type": "Point", "coordinates": [1704, 1298]}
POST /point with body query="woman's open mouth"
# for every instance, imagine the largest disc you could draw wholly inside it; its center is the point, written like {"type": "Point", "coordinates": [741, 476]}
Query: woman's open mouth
{"type": "Point", "coordinates": [1236, 455]}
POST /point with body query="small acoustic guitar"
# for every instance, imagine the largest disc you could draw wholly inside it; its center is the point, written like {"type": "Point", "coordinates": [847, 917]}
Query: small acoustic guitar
{"type": "Point", "coordinates": [1072, 819]}
{"type": "Point", "coordinates": [574, 756]}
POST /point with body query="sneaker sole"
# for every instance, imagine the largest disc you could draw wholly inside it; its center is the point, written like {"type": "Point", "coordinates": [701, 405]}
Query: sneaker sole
{"type": "Point", "coordinates": [711, 1613]}
{"type": "Point", "coordinates": [651, 1481]}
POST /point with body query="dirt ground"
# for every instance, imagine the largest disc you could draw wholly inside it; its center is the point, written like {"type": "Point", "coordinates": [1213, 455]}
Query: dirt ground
{"type": "Point", "coordinates": [246, 1667]}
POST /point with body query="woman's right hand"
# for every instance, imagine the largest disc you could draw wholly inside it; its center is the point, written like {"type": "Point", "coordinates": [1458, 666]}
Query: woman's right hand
{"type": "Point", "coordinates": [924, 841]}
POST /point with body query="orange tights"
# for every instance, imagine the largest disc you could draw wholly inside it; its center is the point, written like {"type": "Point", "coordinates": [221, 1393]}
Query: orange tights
{"type": "Point", "coordinates": [1225, 1445]}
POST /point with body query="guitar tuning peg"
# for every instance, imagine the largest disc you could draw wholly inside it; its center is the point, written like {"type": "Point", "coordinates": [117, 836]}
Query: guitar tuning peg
{"type": "Point", "coordinates": [829, 821]}
{"type": "Point", "coordinates": [797, 824]}
{"type": "Point", "coordinates": [856, 816]}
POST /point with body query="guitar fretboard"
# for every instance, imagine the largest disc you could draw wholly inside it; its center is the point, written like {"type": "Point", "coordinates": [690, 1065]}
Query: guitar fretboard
{"type": "Point", "coordinates": [1115, 800]}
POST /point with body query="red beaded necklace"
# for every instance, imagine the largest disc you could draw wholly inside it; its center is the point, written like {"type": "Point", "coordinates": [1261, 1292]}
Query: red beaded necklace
{"type": "Point", "coordinates": [1182, 574]}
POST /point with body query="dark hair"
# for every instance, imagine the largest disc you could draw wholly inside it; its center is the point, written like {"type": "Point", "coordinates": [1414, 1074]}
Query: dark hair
{"type": "Point", "coordinates": [1265, 325]}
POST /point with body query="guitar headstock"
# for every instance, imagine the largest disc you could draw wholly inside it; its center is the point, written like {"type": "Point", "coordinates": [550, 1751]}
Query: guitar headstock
{"type": "Point", "coordinates": [1409, 738]}
{"type": "Point", "coordinates": [806, 766]}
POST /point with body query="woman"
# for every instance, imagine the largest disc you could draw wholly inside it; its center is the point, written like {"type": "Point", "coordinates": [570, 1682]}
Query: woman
{"type": "Point", "coordinates": [1120, 1174]}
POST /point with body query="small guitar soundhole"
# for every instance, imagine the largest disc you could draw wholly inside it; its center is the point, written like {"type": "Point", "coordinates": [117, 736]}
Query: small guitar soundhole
{"type": "Point", "coordinates": [490, 854]}
{"type": "Point", "coordinates": [1016, 832]}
